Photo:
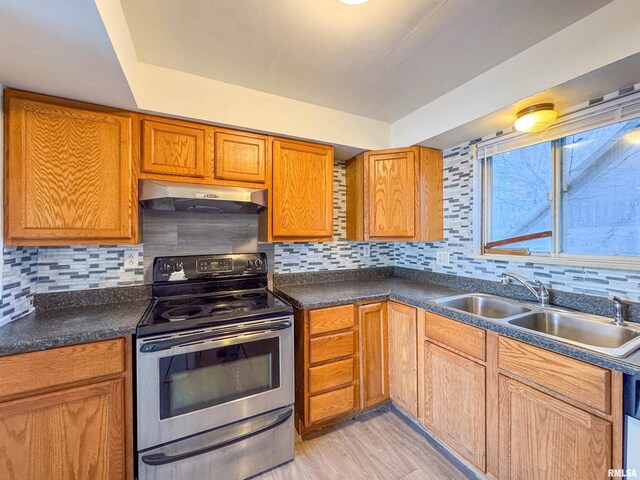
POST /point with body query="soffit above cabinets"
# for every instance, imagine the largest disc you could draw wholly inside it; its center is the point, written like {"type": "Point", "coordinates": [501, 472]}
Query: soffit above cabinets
{"type": "Point", "coordinates": [380, 60]}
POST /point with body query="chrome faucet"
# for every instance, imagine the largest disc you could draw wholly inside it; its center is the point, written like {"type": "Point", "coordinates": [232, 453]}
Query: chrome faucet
{"type": "Point", "coordinates": [618, 316]}
{"type": "Point", "coordinates": [542, 294]}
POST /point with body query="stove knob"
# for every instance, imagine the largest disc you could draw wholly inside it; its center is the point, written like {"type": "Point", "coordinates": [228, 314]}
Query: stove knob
{"type": "Point", "coordinates": [259, 263]}
{"type": "Point", "coordinates": [165, 267]}
{"type": "Point", "coordinates": [179, 266]}
{"type": "Point", "coordinates": [249, 263]}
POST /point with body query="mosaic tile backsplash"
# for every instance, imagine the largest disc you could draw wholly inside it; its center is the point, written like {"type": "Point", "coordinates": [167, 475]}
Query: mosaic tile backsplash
{"type": "Point", "coordinates": [458, 242]}
{"type": "Point", "coordinates": [30, 270]}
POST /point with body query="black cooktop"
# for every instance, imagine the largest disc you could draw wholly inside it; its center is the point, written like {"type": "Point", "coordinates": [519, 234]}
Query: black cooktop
{"type": "Point", "coordinates": [202, 298]}
{"type": "Point", "coordinates": [184, 313]}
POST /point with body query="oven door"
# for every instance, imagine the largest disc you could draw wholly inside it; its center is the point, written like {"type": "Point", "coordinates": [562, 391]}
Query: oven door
{"type": "Point", "coordinates": [189, 383]}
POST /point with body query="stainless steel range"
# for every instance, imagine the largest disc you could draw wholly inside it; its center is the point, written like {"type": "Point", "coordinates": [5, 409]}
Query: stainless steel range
{"type": "Point", "coordinates": [215, 378]}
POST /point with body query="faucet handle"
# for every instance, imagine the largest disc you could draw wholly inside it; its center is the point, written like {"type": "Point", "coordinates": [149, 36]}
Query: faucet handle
{"type": "Point", "coordinates": [618, 305]}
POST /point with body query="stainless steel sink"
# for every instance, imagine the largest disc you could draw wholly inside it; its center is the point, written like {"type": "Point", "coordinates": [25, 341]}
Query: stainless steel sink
{"type": "Point", "coordinates": [587, 331]}
{"type": "Point", "coordinates": [487, 306]}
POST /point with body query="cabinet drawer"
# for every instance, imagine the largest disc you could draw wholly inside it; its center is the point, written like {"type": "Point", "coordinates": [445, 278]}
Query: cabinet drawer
{"type": "Point", "coordinates": [576, 380]}
{"type": "Point", "coordinates": [331, 404]}
{"type": "Point", "coordinates": [331, 375]}
{"type": "Point", "coordinates": [456, 335]}
{"type": "Point", "coordinates": [331, 319]}
{"type": "Point", "coordinates": [332, 346]}
{"type": "Point", "coordinates": [27, 372]}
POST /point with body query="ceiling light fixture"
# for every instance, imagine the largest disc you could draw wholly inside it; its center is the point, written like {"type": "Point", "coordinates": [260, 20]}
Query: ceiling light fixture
{"type": "Point", "coordinates": [633, 136]}
{"type": "Point", "coordinates": [353, 2]}
{"type": "Point", "coordinates": [535, 118]}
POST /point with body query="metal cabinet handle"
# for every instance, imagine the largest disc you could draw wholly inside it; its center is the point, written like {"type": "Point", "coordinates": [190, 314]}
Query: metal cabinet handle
{"type": "Point", "coordinates": [156, 459]}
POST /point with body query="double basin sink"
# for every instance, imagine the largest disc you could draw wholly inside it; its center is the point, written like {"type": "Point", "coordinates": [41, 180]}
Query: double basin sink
{"type": "Point", "coordinates": [592, 332]}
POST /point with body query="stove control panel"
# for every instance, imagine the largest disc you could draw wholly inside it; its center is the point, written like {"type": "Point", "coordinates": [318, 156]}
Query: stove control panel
{"type": "Point", "coordinates": [197, 267]}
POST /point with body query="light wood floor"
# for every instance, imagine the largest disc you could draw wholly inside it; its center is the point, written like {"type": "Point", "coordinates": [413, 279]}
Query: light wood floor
{"type": "Point", "coordinates": [377, 445]}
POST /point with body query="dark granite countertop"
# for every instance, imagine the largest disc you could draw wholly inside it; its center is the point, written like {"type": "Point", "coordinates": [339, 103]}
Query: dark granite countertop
{"type": "Point", "coordinates": [425, 295]}
{"type": "Point", "coordinates": [76, 322]}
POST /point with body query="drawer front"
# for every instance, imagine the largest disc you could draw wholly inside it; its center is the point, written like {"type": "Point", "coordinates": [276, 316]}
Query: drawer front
{"type": "Point", "coordinates": [332, 319]}
{"type": "Point", "coordinates": [331, 404]}
{"type": "Point", "coordinates": [456, 335]}
{"type": "Point", "coordinates": [576, 380]}
{"type": "Point", "coordinates": [28, 372]}
{"type": "Point", "coordinates": [331, 375]}
{"type": "Point", "coordinates": [332, 346]}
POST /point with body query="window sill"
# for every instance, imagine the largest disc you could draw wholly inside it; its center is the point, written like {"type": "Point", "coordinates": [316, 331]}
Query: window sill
{"type": "Point", "coordinates": [625, 263]}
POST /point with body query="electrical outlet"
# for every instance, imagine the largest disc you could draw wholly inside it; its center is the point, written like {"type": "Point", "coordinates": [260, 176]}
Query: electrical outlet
{"type": "Point", "coordinates": [366, 250]}
{"type": "Point", "coordinates": [442, 258]}
{"type": "Point", "coordinates": [131, 258]}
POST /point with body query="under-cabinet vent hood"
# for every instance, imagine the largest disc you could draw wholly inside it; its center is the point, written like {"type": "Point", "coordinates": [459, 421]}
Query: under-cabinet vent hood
{"type": "Point", "coordinates": [193, 197]}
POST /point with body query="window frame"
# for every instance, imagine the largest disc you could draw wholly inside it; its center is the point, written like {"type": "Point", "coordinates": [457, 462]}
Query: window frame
{"type": "Point", "coordinates": [570, 124]}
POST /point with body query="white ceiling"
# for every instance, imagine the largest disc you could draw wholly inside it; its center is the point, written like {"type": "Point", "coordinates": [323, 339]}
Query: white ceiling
{"type": "Point", "coordinates": [592, 85]}
{"type": "Point", "coordinates": [60, 48]}
{"type": "Point", "coordinates": [380, 60]}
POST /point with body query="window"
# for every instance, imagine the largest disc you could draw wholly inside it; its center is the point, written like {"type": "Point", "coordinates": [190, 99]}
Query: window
{"type": "Point", "coordinates": [574, 196]}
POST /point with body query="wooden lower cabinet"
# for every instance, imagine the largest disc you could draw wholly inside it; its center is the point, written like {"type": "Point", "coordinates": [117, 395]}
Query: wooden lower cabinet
{"type": "Point", "coordinates": [341, 363]}
{"type": "Point", "coordinates": [515, 411]}
{"type": "Point", "coordinates": [455, 402]}
{"type": "Point", "coordinates": [542, 437]}
{"type": "Point", "coordinates": [374, 357]}
{"type": "Point", "coordinates": [79, 430]}
{"type": "Point", "coordinates": [507, 408]}
{"type": "Point", "coordinates": [403, 357]}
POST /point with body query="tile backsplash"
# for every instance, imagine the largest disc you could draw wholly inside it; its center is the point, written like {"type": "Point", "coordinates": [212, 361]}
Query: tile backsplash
{"type": "Point", "coordinates": [19, 281]}
{"type": "Point", "coordinates": [30, 270]}
{"type": "Point", "coordinates": [458, 242]}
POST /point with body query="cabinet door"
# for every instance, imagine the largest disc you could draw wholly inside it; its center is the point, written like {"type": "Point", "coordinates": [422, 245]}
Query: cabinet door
{"type": "Point", "coordinates": [71, 434]}
{"type": "Point", "coordinates": [176, 148]}
{"type": "Point", "coordinates": [403, 358]}
{"type": "Point", "coordinates": [240, 156]}
{"type": "Point", "coordinates": [302, 190]}
{"type": "Point", "coordinates": [373, 354]}
{"type": "Point", "coordinates": [392, 194]}
{"type": "Point", "coordinates": [455, 402]}
{"type": "Point", "coordinates": [543, 438]}
{"type": "Point", "coordinates": [70, 173]}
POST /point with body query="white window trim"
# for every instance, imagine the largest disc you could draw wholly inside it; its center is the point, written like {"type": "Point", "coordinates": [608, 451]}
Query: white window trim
{"type": "Point", "coordinates": [615, 111]}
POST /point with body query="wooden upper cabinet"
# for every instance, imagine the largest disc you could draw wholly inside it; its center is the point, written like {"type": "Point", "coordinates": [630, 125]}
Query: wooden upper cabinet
{"type": "Point", "coordinates": [240, 156]}
{"type": "Point", "coordinates": [70, 173]}
{"type": "Point", "coordinates": [455, 402]}
{"type": "Point", "coordinates": [542, 437]}
{"type": "Point", "coordinates": [173, 147]}
{"type": "Point", "coordinates": [392, 194]}
{"type": "Point", "coordinates": [374, 356]}
{"type": "Point", "coordinates": [403, 357]}
{"type": "Point", "coordinates": [301, 206]}
{"type": "Point", "coordinates": [395, 195]}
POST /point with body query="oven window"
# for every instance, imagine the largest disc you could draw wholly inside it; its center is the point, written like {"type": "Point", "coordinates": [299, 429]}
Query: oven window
{"type": "Point", "coordinates": [202, 379]}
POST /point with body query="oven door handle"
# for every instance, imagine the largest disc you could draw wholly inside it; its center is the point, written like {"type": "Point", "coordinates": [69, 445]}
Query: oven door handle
{"type": "Point", "coordinates": [156, 459]}
{"type": "Point", "coordinates": [223, 332]}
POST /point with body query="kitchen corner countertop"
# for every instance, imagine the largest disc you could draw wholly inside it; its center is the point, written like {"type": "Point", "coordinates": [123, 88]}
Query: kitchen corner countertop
{"type": "Point", "coordinates": [57, 327]}
{"type": "Point", "coordinates": [425, 295]}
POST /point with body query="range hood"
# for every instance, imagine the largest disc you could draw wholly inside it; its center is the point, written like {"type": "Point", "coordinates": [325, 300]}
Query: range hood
{"type": "Point", "coordinates": [193, 197]}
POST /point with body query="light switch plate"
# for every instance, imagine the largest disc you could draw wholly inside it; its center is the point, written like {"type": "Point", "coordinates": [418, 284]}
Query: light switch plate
{"type": "Point", "coordinates": [442, 258]}
{"type": "Point", "coordinates": [131, 258]}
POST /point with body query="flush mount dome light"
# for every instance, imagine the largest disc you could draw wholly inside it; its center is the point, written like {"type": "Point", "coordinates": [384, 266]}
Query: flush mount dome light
{"type": "Point", "coordinates": [633, 136]}
{"type": "Point", "coordinates": [353, 2]}
{"type": "Point", "coordinates": [535, 118]}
